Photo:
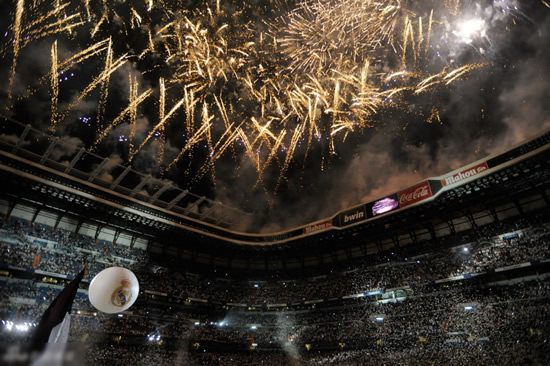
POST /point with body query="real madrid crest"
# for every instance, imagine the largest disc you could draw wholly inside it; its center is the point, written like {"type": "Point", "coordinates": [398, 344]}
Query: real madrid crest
{"type": "Point", "coordinates": [122, 294]}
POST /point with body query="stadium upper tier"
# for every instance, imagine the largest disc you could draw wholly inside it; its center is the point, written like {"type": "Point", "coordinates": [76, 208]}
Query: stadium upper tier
{"type": "Point", "coordinates": [27, 161]}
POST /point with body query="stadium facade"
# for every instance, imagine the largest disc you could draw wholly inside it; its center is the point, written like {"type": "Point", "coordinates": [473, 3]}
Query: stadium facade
{"type": "Point", "coordinates": [453, 269]}
{"type": "Point", "coordinates": [74, 195]}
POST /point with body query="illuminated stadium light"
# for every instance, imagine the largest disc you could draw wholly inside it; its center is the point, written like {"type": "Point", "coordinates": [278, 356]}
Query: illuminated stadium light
{"type": "Point", "coordinates": [153, 337]}
{"type": "Point", "coordinates": [197, 323]}
{"type": "Point", "coordinates": [379, 319]}
{"type": "Point", "coordinates": [466, 249]}
{"type": "Point", "coordinates": [22, 327]}
{"type": "Point", "coordinates": [253, 327]}
{"type": "Point", "coordinates": [468, 308]}
{"type": "Point", "coordinates": [9, 325]}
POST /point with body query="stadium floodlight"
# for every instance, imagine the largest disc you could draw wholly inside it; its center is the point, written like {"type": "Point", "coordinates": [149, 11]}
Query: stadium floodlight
{"type": "Point", "coordinates": [379, 319]}
{"type": "Point", "coordinates": [466, 249]}
{"type": "Point", "coordinates": [468, 308]}
{"type": "Point", "coordinates": [253, 327]}
{"type": "Point", "coordinates": [22, 327]}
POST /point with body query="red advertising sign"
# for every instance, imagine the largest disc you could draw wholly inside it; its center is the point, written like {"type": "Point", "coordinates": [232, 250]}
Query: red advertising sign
{"type": "Point", "coordinates": [317, 227]}
{"type": "Point", "coordinates": [470, 172]}
{"type": "Point", "coordinates": [414, 194]}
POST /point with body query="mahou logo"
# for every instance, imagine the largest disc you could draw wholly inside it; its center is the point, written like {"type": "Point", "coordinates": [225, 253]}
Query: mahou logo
{"type": "Point", "coordinates": [414, 194]}
{"type": "Point", "coordinates": [465, 174]}
{"type": "Point", "coordinates": [316, 227]}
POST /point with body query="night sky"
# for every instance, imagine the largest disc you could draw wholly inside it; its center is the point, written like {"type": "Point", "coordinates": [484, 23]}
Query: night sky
{"type": "Point", "coordinates": [289, 110]}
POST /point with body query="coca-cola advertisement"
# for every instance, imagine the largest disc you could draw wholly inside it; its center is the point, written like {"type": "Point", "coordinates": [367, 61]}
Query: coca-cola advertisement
{"type": "Point", "coordinates": [414, 194]}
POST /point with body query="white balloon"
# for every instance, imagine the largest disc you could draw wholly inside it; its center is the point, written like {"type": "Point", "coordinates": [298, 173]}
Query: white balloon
{"type": "Point", "coordinates": [113, 290]}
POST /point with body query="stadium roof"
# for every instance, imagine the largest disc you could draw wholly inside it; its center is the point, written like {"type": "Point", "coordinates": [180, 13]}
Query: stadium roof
{"type": "Point", "coordinates": [150, 207]}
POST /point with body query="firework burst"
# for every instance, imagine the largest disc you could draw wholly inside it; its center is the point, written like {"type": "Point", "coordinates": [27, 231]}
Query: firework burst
{"type": "Point", "coordinates": [233, 85]}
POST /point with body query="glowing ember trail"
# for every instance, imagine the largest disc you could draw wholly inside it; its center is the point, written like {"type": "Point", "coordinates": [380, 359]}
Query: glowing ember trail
{"type": "Point", "coordinates": [303, 77]}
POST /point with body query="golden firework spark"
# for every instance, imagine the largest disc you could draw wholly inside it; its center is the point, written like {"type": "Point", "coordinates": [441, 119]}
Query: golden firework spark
{"type": "Point", "coordinates": [16, 43]}
{"type": "Point", "coordinates": [55, 85]}
{"type": "Point", "coordinates": [266, 90]}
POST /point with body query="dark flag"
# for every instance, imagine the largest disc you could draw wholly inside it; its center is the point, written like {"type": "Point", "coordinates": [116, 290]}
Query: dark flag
{"type": "Point", "coordinates": [51, 322]}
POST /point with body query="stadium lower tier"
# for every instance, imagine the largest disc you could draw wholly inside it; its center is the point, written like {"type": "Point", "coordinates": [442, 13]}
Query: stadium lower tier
{"type": "Point", "coordinates": [466, 322]}
{"type": "Point", "coordinates": [480, 297]}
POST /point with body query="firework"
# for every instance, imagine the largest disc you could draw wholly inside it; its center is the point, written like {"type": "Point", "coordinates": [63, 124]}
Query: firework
{"type": "Point", "coordinates": [55, 85]}
{"type": "Point", "coordinates": [232, 85]}
{"type": "Point", "coordinates": [16, 42]}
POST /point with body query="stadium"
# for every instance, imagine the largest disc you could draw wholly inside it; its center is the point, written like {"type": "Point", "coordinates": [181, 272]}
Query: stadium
{"type": "Point", "coordinates": [451, 268]}
{"type": "Point", "coordinates": [457, 263]}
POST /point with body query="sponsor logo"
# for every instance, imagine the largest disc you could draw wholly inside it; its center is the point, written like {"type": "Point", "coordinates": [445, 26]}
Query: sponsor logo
{"type": "Point", "coordinates": [317, 227]}
{"type": "Point", "coordinates": [414, 194]}
{"type": "Point", "coordinates": [122, 294]}
{"type": "Point", "coordinates": [355, 216]}
{"type": "Point", "coordinates": [452, 179]}
{"type": "Point", "coordinates": [351, 216]}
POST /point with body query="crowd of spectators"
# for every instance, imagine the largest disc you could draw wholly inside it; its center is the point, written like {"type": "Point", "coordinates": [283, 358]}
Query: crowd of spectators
{"type": "Point", "coordinates": [470, 253]}
{"type": "Point", "coordinates": [467, 254]}
{"type": "Point", "coordinates": [455, 322]}
{"type": "Point", "coordinates": [507, 324]}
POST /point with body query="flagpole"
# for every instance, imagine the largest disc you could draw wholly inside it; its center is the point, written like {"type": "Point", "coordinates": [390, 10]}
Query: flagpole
{"type": "Point", "coordinates": [55, 314]}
